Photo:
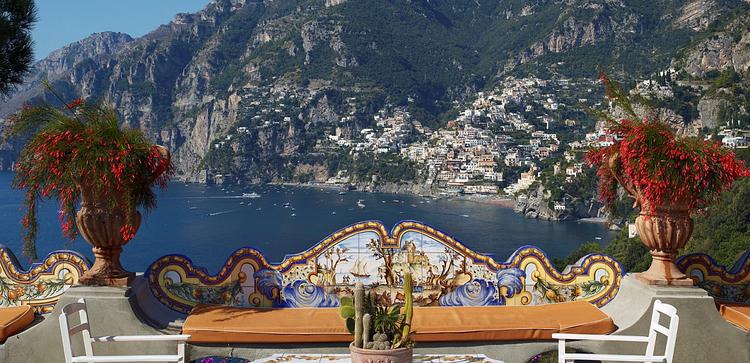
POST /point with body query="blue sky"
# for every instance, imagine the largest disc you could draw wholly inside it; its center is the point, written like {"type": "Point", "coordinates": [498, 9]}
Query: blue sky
{"type": "Point", "coordinates": [61, 22]}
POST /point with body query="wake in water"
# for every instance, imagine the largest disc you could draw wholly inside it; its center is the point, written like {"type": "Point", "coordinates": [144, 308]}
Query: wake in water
{"type": "Point", "coordinates": [219, 213]}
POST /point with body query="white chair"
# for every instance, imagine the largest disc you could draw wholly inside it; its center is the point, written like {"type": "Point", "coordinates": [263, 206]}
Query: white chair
{"type": "Point", "coordinates": [669, 331]}
{"type": "Point", "coordinates": [83, 327]}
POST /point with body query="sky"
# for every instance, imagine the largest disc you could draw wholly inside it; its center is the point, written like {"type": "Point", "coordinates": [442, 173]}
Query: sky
{"type": "Point", "coordinates": [60, 22]}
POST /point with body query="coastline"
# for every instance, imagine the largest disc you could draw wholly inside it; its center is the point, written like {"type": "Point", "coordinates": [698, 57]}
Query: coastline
{"type": "Point", "coordinates": [495, 200]}
{"type": "Point", "coordinates": [500, 201]}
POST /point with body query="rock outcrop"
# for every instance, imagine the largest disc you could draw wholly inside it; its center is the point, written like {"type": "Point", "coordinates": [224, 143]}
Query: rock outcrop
{"type": "Point", "coordinates": [723, 50]}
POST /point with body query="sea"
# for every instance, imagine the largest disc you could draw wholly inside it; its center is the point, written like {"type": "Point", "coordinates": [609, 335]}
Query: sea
{"type": "Point", "coordinates": [208, 222]}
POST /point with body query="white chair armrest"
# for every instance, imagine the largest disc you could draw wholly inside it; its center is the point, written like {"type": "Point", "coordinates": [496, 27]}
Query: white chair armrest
{"type": "Point", "coordinates": [616, 338]}
{"type": "Point", "coordinates": [140, 338]}
{"type": "Point", "coordinates": [615, 357]}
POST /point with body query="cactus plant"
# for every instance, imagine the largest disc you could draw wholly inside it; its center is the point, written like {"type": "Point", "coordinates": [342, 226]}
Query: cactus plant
{"type": "Point", "coordinates": [379, 327]}
{"type": "Point", "coordinates": [359, 307]}
{"type": "Point", "coordinates": [366, 330]}
{"type": "Point", "coordinates": [408, 312]}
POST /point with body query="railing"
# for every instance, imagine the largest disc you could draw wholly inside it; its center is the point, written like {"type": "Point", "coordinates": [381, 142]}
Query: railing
{"type": "Point", "coordinates": [446, 272]}
{"type": "Point", "coordinates": [725, 285]}
{"type": "Point", "coordinates": [43, 283]}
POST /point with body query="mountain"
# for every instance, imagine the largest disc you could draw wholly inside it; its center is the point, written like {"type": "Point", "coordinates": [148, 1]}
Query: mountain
{"type": "Point", "coordinates": [253, 88]}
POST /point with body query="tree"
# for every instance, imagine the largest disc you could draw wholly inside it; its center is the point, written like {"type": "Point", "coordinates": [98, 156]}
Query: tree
{"type": "Point", "coordinates": [16, 53]}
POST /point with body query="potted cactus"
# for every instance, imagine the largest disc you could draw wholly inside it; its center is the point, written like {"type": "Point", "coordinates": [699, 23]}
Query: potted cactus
{"type": "Point", "coordinates": [381, 333]}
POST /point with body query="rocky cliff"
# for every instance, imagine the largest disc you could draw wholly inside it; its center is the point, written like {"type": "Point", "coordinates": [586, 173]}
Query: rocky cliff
{"type": "Point", "coordinates": [285, 71]}
{"type": "Point", "coordinates": [536, 204]}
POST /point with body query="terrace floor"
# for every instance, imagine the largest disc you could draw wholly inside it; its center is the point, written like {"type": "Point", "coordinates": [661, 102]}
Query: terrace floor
{"type": "Point", "coordinates": [344, 358]}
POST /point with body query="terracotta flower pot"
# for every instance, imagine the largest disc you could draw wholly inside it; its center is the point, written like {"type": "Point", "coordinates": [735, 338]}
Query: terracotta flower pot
{"type": "Point", "coordinates": [664, 230]}
{"type": "Point", "coordinates": [100, 225]}
{"type": "Point", "coordinates": [400, 355]}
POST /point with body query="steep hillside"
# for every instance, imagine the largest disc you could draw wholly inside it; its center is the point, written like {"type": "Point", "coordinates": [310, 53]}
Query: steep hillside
{"type": "Point", "coordinates": [290, 72]}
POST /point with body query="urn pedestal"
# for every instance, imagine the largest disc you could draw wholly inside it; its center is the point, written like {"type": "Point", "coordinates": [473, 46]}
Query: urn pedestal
{"type": "Point", "coordinates": [664, 231]}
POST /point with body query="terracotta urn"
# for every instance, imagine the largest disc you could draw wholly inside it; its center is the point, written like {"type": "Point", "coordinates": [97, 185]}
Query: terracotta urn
{"type": "Point", "coordinates": [100, 225]}
{"type": "Point", "coordinates": [663, 229]}
{"type": "Point", "coordinates": [361, 355]}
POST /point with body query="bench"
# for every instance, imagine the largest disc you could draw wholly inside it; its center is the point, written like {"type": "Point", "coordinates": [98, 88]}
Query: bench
{"type": "Point", "coordinates": [737, 315]}
{"type": "Point", "coordinates": [14, 319]}
{"type": "Point", "coordinates": [459, 294]}
{"type": "Point", "coordinates": [223, 324]}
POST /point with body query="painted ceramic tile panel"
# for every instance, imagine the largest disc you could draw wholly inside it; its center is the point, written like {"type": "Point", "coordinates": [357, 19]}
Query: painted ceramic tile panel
{"type": "Point", "coordinates": [43, 283]}
{"type": "Point", "coordinates": [725, 285]}
{"type": "Point", "coordinates": [446, 273]}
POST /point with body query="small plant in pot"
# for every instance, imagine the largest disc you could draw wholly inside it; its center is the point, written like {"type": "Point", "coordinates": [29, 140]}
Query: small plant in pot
{"type": "Point", "coordinates": [99, 172]}
{"type": "Point", "coordinates": [381, 333]}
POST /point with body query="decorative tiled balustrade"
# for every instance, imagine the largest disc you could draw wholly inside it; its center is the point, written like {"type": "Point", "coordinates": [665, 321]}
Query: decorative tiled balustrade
{"type": "Point", "coordinates": [42, 284]}
{"type": "Point", "coordinates": [446, 273]}
{"type": "Point", "coordinates": [725, 285]}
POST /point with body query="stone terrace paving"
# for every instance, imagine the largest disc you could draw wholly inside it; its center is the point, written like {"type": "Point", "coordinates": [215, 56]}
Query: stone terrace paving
{"type": "Point", "coordinates": [448, 275]}
{"type": "Point", "coordinates": [344, 358]}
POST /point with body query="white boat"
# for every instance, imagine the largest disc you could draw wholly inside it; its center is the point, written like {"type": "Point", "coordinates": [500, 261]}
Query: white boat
{"type": "Point", "coordinates": [294, 214]}
{"type": "Point", "coordinates": [251, 195]}
{"type": "Point", "coordinates": [360, 203]}
{"type": "Point", "coordinates": [342, 193]}
{"type": "Point", "coordinates": [333, 213]}
{"type": "Point", "coordinates": [360, 269]}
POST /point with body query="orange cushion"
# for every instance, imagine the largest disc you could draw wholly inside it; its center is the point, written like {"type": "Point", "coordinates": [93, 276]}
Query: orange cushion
{"type": "Point", "coordinates": [222, 324]}
{"type": "Point", "coordinates": [738, 315]}
{"type": "Point", "coordinates": [14, 319]}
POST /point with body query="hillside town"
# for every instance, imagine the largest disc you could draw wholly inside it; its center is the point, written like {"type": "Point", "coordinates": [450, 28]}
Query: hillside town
{"type": "Point", "coordinates": [500, 144]}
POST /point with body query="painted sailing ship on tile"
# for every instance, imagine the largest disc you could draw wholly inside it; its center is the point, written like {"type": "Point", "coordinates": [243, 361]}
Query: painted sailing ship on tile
{"type": "Point", "coordinates": [446, 273]}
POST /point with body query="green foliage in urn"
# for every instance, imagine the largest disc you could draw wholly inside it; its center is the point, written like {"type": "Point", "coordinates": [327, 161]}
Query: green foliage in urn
{"type": "Point", "coordinates": [80, 146]}
{"type": "Point", "coordinates": [375, 326]}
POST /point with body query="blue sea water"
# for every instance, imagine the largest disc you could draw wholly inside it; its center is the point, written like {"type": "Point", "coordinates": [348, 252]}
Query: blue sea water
{"type": "Point", "coordinates": [207, 223]}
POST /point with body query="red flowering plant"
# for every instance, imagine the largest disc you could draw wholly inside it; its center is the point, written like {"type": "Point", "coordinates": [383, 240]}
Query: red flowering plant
{"type": "Point", "coordinates": [79, 146]}
{"type": "Point", "coordinates": [655, 165]}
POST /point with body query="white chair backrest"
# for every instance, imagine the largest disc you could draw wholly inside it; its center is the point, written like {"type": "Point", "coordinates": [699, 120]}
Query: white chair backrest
{"type": "Point", "coordinates": [670, 331]}
{"type": "Point", "coordinates": [83, 328]}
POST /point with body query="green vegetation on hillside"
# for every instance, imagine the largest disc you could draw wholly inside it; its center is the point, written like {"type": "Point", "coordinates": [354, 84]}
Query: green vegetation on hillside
{"type": "Point", "coordinates": [721, 231]}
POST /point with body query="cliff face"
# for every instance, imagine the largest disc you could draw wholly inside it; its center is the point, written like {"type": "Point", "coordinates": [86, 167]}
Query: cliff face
{"type": "Point", "coordinates": [287, 70]}
{"type": "Point", "coordinates": [536, 204]}
{"type": "Point", "coordinates": [723, 50]}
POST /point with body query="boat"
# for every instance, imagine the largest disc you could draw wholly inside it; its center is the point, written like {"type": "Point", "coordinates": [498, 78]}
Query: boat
{"type": "Point", "coordinates": [333, 213]}
{"type": "Point", "coordinates": [251, 195]}
{"type": "Point", "coordinates": [360, 203]}
{"type": "Point", "coordinates": [360, 269]}
{"type": "Point", "coordinates": [294, 214]}
{"type": "Point", "coordinates": [342, 193]}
